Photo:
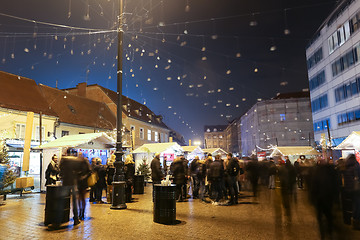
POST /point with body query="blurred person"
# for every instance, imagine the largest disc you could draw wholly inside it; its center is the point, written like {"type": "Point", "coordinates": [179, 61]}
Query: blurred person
{"type": "Point", "coordinates": [186, 170]}
{"type": "Point", "coordinates": [52, 171]}
{"type": "Point", "coordinates": [351, 186]}
{"type": "Point", "coordinates": [272, 174]}
{"type": "Point", "coordinates": [178, 171]}
{"type": "Point", "coordinates": [129, 170]}
{"type": "Point", "coordinates": [287, 176]}
{"type": "Point", "coordinates": [252, 171]}
{"type": "Point", "coordinates": [323, 192]}
{"type": "Point", "coordinates": [165, 167]}
{"type": "Point", "coordinates": [216, 174]}
{"type": "Point", "coordinates": [92, 188]}
{"type": "Point", "coordinates": [299, 177]}
{"type": "Point", "coordinates": [201, 175]}
{"type": "Point", "coordinates": [207, 163]}
{"type": "Point", "coordinates": [110, 172]}
{"type": "Point", "coordinates": [101, 183]}
{"type": "Point", "coordinates": [232, 170]}
{"type": "Point", "coordinates": [70, 167]}
{"type": "Point", "coordinates": [84, 174]}
{"type": "Point", "coordinates": [194, 173]}
{"type": "Point", "coordinates": [156, 173]}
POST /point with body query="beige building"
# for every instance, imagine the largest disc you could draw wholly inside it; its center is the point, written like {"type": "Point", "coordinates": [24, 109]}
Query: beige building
{"type": "Point", "coordinates": [215, 136]}
{"type": "Point", "coordinates": [145, 126]}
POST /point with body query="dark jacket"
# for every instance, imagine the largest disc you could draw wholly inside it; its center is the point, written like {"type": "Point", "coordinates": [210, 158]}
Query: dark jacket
{"type": "Point", "coordinates": [52, 173]}
{"type": "Point", "coordinates": [156, 173]}
{"type": "Point", "coordinates": [351, 170]}
{"type": "Point", "coordinates": [110, 171]}
{"type": "Point", "coordinates": [129, 172]}
{"type": "Point", "coordinates": [216, 170]}
{"type": "Point", "coordinates": [70, 169]}
{"type": "Point", "coordinates": [178, 171]}
{"type": "Point", "coordinates": [84, 174]}
{"type": "Point", "coordinates": [194, 167]}
{"type": "Point", "coordinates": [101, 172]}
{"type": "Point", "coordinates": [233, 168]}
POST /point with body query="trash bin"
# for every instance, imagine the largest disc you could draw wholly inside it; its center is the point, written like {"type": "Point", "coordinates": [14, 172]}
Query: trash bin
{"type": "Point", "coordinates": [139, 182]}
{"type": "Point", "coordinates": [164, 204]}
{"type": "Point", "coordinates": [57, 206]}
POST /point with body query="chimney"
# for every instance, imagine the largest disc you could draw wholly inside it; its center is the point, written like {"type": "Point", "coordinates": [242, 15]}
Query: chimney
{"type": "Point", "coordinates": [81, 89]}
{"type": "Point", "coordinates": [189, 142]}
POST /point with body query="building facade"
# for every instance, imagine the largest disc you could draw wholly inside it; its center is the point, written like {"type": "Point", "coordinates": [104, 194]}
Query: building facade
{"type": "Point", "coordinates": [282, 121]}
{"type": "Point", "coordinates": [232, 139]}
{"type": "Point", "coordinates": [144, 125]}
{"type": "Point", "coordinates": [333, 57]}
{"type": "Point", "coordinates": [215, 136]}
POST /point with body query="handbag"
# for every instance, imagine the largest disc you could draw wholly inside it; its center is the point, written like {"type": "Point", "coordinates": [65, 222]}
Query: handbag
{"type": "Point", "coordinates": [92, 180]}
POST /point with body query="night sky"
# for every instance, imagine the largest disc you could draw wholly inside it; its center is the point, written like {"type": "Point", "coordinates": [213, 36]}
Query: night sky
{"type": "Point", "coordinates": [196, 62]}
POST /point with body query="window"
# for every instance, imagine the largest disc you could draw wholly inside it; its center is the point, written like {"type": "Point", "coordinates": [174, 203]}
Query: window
{"type": "Point", "coordinates": [132, 128]}
{"type": "Point", "coordinates": [156, 136]}
{"type": "Point", "coordinates": [321, 125]}
{"type": "Point", "coordinates": [319, 103]}
{"type": "Point", "coordinates": [161, 137]}
{"type": "Point", "coordinates": [316, 81]}
{"type": "Point", "coordinates": [282, 117]}
{"type": "Point", "coordinates": [141, 133]}
{"type": "Point", "coordinates": [348, 117]}
{"type": "Point", "coordinates": [220, 136]}
{"type": "Point", "coordinates": [347, 90]}
{"type": "Point", "coordinates": [149, 134]}
{"type": "Point", "coordinates": [166, 138]}
{"type": "Point", "coordinates": [37, 133]}
{"type": "Point", "coordinates": [315, 58]}
{"type": "Point", "coordinates": [64, 133]}
{"type": "Point", "coordinates": [346, 61]}
{"type": "Point", "coordinates": [20, 131]}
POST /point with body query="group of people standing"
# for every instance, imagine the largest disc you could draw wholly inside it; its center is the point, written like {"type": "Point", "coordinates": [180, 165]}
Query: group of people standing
{"type": "Point", "coordinates": [74, 171]}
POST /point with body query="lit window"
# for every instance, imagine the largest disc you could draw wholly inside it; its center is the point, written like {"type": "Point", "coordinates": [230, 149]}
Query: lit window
{"type": "Point", "coordinates": [149, 135]}
{"type": "Point", "coordinates": [141, 133]}
{"type": "Point", "coordinates": [282, 117]}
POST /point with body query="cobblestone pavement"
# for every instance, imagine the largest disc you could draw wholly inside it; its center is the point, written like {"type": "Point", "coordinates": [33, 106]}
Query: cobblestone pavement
{"type": "Point", "coordinates": [254, 218]}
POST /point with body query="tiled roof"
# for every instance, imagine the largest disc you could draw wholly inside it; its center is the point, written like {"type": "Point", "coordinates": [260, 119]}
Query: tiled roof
{"type": "Point", "coordinates": [135, 109]}
{"type": "Point", "coordinates": [20, 93]}
{"type": "Point", "coordinates": [78, 110]}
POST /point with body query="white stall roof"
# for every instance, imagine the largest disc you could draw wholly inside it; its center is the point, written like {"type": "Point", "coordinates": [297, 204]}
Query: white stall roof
{"type": "Point", "coordinates": [87, 141]}
{"type": "Point", "coordinates": [157, 147]}
{"type": "Point", "coordinates": [215, 151]}
{"type": "Point", "coordinates": [191, 148]}
{"type": "Point", "coordinates": [351, 142]}
{"type": "Point", "coordinates": [294, 150]}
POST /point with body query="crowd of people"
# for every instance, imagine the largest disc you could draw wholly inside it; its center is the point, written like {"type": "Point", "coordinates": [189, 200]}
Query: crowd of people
{"type": "Point", "coordinates": [220, 181]}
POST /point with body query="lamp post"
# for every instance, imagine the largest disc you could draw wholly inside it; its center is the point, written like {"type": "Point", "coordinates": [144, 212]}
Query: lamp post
{"type": "Point", "coordinates": [118, 196]}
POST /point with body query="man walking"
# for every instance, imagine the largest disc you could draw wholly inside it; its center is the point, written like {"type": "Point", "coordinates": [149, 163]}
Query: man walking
{"type": "Point", "coordinates": [232, 170]}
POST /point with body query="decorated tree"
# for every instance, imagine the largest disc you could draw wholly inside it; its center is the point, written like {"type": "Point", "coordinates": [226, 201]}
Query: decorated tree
{"type": "Point", "coordinates": [144, 169]}
{"type": "Point", "coordinates": [7, 176]}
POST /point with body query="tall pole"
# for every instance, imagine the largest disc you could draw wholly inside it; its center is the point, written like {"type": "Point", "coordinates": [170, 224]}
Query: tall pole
{"type": "Point", "coordinates": [330, 146]}
{"type": "Point", "coordinates": [118, 196]}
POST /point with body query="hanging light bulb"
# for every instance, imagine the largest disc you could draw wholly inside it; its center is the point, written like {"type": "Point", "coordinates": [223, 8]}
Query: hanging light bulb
{"type": "Point", "coordinates": [273, 48]}
{"type": "Point", "coordinates": [3, 60]}
{"type": "Point", "coordinates": [253, 22]}
{"type": "Point", "coordinates": [256, 70]}
{"type": "Point", "coordinates": [204, 58]}
{"type": "Point", "coordinates": [187, 8]}
{"type": "Point", "coordinates": [228, 72]}
{"type": "Point", "coordinates": [286, 31]}
{"type": "Point", "coordinates": [26, 50]}
{"type": "Point", "coordinates": [12, 55]}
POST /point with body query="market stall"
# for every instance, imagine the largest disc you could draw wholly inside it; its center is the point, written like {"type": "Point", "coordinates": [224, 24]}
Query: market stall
{"type": "Point", "coordinates": [215, 151]}
{"type": "Point", "coordinates": [191, 152]}
{"type": "Point", "coordinates": [90, 144]}
{"type": "Point", "coordinates": [350, 145]}
{"type": "Point", "coordinates": [148, 151]}
{"type": "Point", "coordinates": [293, 152]}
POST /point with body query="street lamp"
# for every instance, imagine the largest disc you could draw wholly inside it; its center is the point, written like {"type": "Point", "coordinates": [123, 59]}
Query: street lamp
{"type": "Point", "coordinates": [118, 196]}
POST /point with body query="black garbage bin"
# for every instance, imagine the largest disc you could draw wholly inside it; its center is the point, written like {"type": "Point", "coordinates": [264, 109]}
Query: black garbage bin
{"type": "Point", "coordinates": [164, 204]}
{"type": "Point", "coordinates": [57, 206]}
{"type": "Point", "coordinates": [139, 182]}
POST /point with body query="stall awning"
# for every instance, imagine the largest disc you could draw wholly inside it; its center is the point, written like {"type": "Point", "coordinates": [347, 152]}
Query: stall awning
{"type": "Point", "coordinates": [294, 150]}
{"type": "Point", "coordinates": [215, 151]}
{"type": "Point", "coordinates": [351, 142]}
{"type": "Point", "coordinates": [191, 148]}
{"type": "Point", "coordinates": [157, 147]}
{"type": "Point", "coordinates": [87, 141]}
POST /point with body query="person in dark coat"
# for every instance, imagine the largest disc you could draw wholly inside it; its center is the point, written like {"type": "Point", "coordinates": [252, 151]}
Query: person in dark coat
{"type": "Point", "coordinates": [252, 174]}
{"type": "Point", "coordinates": [52, 171]}
{"type": "Point", "coordinates": [178, 171]}
{"type": "Point", "coordinates": [272, 174]}
{"type": "Point", "coordinates": [156, 173]}
{"type": "Point", "coordinates": [129, 170]}
{"type": "Point", "coordinates": [84, 174]}
{"type": "Point", "coordinates": [92, 188]}
{"type": "Point", "coordinates": [194, 170]}
{"type": "Point", "coordinates": [70, 167]}
{"type": "Point", "coordinates": [101, 183]}
{"type": "Point", "coordinates": [216, 174]}
{"type": "Point", "coordinates": [287, 176]}
{"type": "Point", "coordinates": [110, 172]}
{"type": "Point", "coordinates": [186, 170]}
{"type": "Point", "coordinates": [232, 170]}
{"type": "Point", "coordinates": [323, 192]}
{"type": "Point", "coordinates": [351, 179]}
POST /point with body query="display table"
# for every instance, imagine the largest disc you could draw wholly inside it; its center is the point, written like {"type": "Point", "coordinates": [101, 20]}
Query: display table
{"type": "Point", "coordinates": [57, 207]}
{"type": "Point", "coordinates": [164, 204]}
{"type": "Point", "coordinates": [139, 183]}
